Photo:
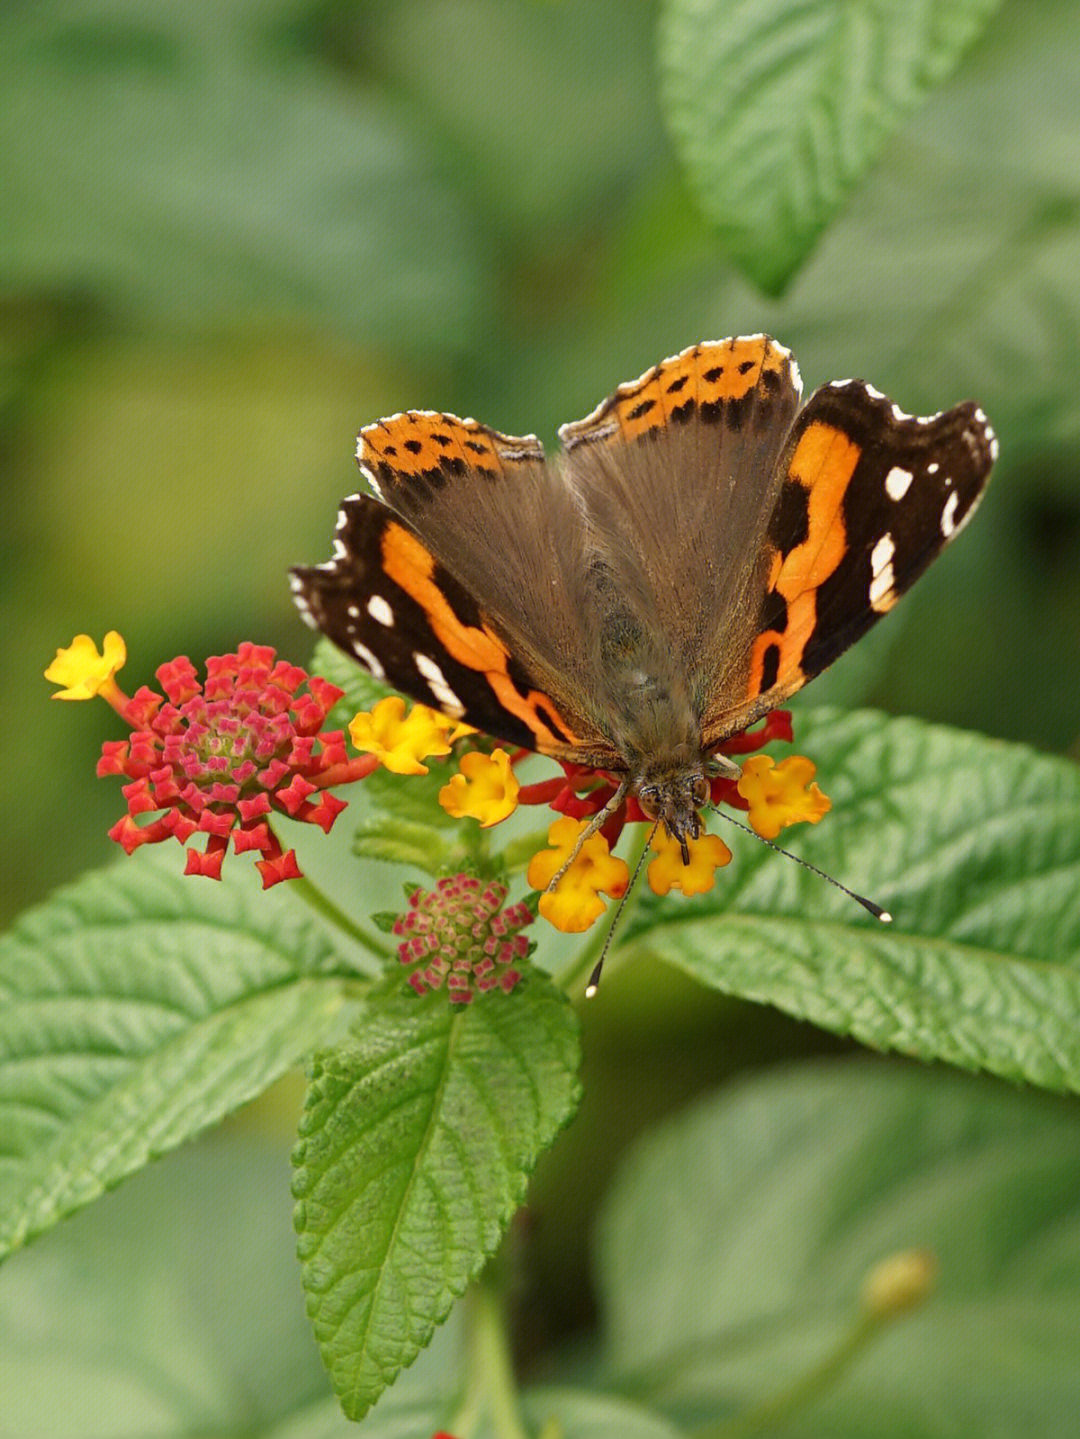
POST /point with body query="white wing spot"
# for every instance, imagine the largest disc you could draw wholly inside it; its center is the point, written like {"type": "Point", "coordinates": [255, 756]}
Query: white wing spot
{"type": "Point", "coordinates": [441, 692]}
{"type": "Point", "coordinates": [948, 515]}
{"type": "Point", "coordinates": [364, 655]}
{"type": "Point", "coordinates": [899, 414]}
{"type": "Point", "coordinates": [881, 587]}
{"type": "Point", "coordinates": [380, 611]}
{"type": "Point", "coordinates": [875, 393]}
{"type": "Point", "coordinates": [353, 611]}
{"type": "Point", "coordinates": [933, 467]}
{"type": "Point", "coordinates": [882, 553]}
{"type": "Point", "coordinates": [897, 482]}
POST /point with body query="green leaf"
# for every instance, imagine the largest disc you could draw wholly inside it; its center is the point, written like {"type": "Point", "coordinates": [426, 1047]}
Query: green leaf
{"type": "Point", "coordinates": [136, 1008]}
{"type": "Point", "coordinates": [192, 163]}
{"type": "Point", "coordinates": [409, 803]}
{"type": "Point", "coordinates": [154, 1311]}
{"type": "Point", "coordinates": [400, 841]}
{"type": "Point", "coordinates": [779, 109]}
{"type": "Point", "coordinates": [178, 1347]}
{"type": "Point", "coordinates": [973, 846]}
{"type": "Point", "coordinates": [735, 1242]}
{"type": "Point", "coordinates": [415, 1149]}
{"type": "Point", "coordinates": [577, 1414]}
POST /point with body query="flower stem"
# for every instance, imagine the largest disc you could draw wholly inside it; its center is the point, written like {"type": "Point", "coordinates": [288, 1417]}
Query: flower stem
{"type": "Point", "coordinates": [763, 1417]}
{"type": "Point", "coordinates": [490, 1359]}
{"type": "Point", "coordinates": [322, 904]}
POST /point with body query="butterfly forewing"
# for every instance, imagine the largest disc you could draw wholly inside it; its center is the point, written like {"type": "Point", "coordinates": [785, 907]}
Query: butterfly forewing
{"type": "Point", "coordinates": [436, 586]}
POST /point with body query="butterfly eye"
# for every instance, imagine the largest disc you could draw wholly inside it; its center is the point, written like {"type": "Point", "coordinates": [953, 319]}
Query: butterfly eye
{"type": "Point", "coordinates": [648, 797]}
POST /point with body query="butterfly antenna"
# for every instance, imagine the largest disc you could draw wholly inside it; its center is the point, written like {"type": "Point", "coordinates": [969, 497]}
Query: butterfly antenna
{"type": "Point", "coordinates": [867, 904]}
{"type": "Point", "coordinates": [594, 978]}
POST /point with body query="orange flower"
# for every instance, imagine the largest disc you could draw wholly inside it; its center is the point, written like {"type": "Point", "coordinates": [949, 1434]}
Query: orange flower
{"type": "Point", "coordinates": [575, 902]}
{"type": "Point", "coordinates": [399, 741]}
{"type": "Point", "coordinates": [781, 794]}
{"type": "Point", "coordinates": [485, 789]}
{"type": "Point", "coordinates": [84, 672]}
{"type": "Point", "coordinates": [666, 872]}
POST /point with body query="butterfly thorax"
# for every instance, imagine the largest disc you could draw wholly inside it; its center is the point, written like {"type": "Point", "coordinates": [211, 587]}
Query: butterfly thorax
{"type": "Point", "coordinates": [654, 725]}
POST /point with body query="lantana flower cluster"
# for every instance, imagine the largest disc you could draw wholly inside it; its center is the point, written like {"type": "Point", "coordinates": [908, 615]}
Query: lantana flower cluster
{"type": "Point", "coordinates": [459, 935]}
{"type": "Point", "coordinates": [217, 757]}
{"type": "Point", "coordinates": [485, 788]}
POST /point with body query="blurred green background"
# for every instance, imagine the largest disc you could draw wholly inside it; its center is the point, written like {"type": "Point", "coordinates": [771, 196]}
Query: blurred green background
{"type": "Point", "coordinates": [234, 233]}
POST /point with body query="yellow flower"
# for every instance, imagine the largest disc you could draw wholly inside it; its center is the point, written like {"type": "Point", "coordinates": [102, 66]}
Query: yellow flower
{"type": "Point", "coordinates": [399, 741]}
{"type": "Point", "coordinates": [575, 902]}
{"type": "Point", "coordinates": [667, 871]}
{"type": "Point", "coordinates": [781, 794]}
{"type": "Point", "coordinates": [486, 788]}
{"type": "Point", "coordinates": [84, 672]}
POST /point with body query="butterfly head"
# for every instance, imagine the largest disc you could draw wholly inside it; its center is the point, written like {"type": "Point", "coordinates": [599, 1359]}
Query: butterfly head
{"type": "Point", "coordinates": [674, 799]}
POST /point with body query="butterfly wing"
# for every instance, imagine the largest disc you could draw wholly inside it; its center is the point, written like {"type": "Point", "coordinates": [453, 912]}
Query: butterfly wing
{"type": "Point", "coordinates": [697, 556]}
{"type": "Point", "coordinates": [678, 473]}
{"type": "Point", "coordinates": [455, 585]}
{"type": "Point", "coordinates": [868, 496]}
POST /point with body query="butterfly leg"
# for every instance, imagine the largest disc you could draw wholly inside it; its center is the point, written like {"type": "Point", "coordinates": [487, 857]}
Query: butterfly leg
{"type": "Point", "coordinates": [720, 764]}
{"type": "Point", "coordinates": [598, 820]}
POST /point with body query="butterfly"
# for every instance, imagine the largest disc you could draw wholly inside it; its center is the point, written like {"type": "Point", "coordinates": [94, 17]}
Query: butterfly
{"type": "Point", "coordinates": [700, 548]}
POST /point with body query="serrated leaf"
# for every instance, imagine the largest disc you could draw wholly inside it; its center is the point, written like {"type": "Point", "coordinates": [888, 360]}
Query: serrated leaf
{"type": "Point", "coordinates": [779, 109]}
{"type": "Point", "coordinates": [974, 846]}
{"type": "Point", "coordinates": [200, 165]}
{"type": "Point", "coordinates": [136, 1008]}
{"type": "Point", "coordinates": [400, 842]}
{"type": "Point", "coordinates": [416, 1146]}
{"type": "Point", "coordinates": [411, 800]}
{"type": "Point", "coordinates": [735, 1242]}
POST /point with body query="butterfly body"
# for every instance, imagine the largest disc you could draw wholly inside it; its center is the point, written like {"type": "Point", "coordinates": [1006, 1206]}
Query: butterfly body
{"type": "Point", "coordinates": [699, 549]}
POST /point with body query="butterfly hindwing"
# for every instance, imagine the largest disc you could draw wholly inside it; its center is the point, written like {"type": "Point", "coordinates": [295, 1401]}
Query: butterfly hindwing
{"type": "Point", "coordinates": [869, 496]}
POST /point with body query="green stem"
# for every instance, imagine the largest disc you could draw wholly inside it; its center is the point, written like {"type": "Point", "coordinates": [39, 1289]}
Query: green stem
{"type": "Point", "coordinates": [466, 1418]}
{"type": "Point", "coordinates": [322, 904]}
{"type": "Point", "coordinates": [491, 1358]}
{"type": "Point", "coordinates": [572, 980]}
{"type": "Point", "coordinates": [766, 1415]}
